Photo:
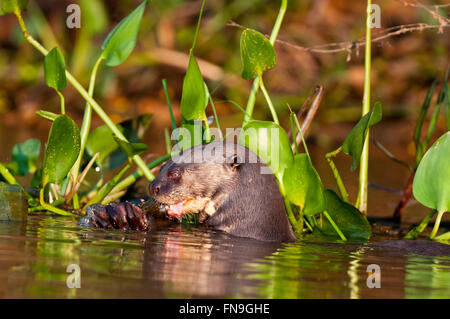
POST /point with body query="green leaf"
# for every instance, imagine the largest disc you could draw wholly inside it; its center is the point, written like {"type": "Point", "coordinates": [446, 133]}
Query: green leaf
{"type": "Point", "coordinates": [130, 149]}
{"type": "Point", "coordinates": [270, 142]}
{"type": "Point", "coordinates": [257, 54]}
{"type": "Point", "coordinates": [120, 42]}
{"type": "Point", "coordinates": [47, 115]}
{"type": "Point", "coordinates": [13, 203]}
{"type": "Point", "coordinates": [55, 70]}
{"type": "Point", "coordinates": [303, 185]}
{"type": "Point", "coordinates": [95, 18]}
{"type": "Point", "coordinates": [8, 6]}
{"type": "Point", "coordinates": [62, 150]}
{"type": "Point", "coordinates": [354, 142]}
{"type": "Point", "coordinates": [431, 186]}
{"type": "Point", "coordinates": [101, 141]}
{"type": "Point", "coordinates": [349, 220]}
{"type": "Point", "coordinates": [25, 156]}
{"type": "Point", "coordinates": [194, 98]}
{"type": "Point", "coordinates": [446, 99]}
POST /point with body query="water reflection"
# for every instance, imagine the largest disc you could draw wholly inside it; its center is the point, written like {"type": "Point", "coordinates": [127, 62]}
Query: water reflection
{"type": "Point", "coordinates": [174, 261]}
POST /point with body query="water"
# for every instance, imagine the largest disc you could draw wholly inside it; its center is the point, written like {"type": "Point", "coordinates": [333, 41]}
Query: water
{"type": "Point", "coordinates": [174, 261]}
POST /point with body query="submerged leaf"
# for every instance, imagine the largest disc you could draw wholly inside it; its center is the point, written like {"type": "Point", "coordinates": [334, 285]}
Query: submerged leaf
{"type": "Point", "coordinates": [25, 157]}
{"type": "Point", "coordinates": [431, 185]}
{"type": "Point", "coordinates": [62, 150]}
{"type": "Point", "coordinates": [257, 54]}
{"type": "Point", "coordinates": [347, 218]}
{"type": "Point", "coordinates": [55, 70]}
{"type": "Point", "coordinates": [303, 185]}
{"type": "Point", "coordinates": [354, 142]}
{"type": "Point", "coordinates": [194, 98]}
{"type": "Point", "coordinates": [120, 42]}
{"type": "Point", "coordinates": [270, 142]}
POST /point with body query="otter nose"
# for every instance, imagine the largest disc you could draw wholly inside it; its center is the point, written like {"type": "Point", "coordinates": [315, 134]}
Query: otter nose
{"type": "Point", "coordinates": [155, 190]}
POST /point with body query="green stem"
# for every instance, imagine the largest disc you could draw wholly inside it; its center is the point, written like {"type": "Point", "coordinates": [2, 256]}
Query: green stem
{"type": "Point", "coordinates": [97, 108]}
{"type": "Point", "coordinates": [436, 224]}
{"type": "Point", "coordinates": [336, 175]}
{"type": "Point", "coordinates": [269, 101]}
{"type": "Point", "coordinates": [215, 116]}
{"type": "Point", "coordinates": [133, 177]}
{"type": "Point", "coordinates": [7, 175]}
{"type": "Point", "coordinates": [84, 132]}
{"type": "Point", "coordinates": [287, 203]}
{"type": "Point", "coordinates": [166, 92]}
{"type": "Point", "coordinates": [49, 207]}
{"type": "Point", "coordinates": [255, 85]}
{"type": "Point", "coordinates": [364, 164]}
{"type": "Point", "coordinates": [198, 26]}
{"type": "Point", "coordinates": [336, 228]}
{"type": "Point", "coordinates": [415, 232]}
{"type": "Point", "coordinates": [291, 119]}
{"type": "Point", "coordinates": [63, 108]}
{"type": "Point", "coordinates": [301, 134]}
{"type": "Point", "coordinates": [168, 142]}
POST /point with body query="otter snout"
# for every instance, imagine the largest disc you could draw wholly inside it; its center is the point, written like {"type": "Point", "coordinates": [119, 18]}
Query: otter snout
{"type": "Point", "coordinates": [154, 188]}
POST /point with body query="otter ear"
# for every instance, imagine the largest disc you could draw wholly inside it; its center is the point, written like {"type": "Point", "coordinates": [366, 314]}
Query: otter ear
{"type": "Point", "coordinates": [234, 161]}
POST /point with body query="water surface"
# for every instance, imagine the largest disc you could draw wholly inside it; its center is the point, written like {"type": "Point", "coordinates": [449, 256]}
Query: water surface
{"type": "Point", "coordinates": [174, 261]}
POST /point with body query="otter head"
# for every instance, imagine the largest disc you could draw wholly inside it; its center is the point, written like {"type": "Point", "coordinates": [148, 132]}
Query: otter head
{"type": "Point", "coordinates": [189, 187]}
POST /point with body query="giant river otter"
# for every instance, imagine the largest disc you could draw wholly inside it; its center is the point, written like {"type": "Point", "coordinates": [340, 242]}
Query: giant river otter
{"type": "Point", "coordinates": [226, 183]}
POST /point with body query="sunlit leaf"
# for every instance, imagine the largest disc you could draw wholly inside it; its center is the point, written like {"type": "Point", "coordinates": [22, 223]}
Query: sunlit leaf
{"type": "Point", "coordinates": [13, 203]}
{"type": "Point", "coordinates": [347, 218]}
{"type": "Point", "coordinates": [431, 186]}
{"type": "Point", "coordinates": [55, 70]}
{"type": "Point", "coordinates": [121, 41]}
{"type": "Point", "coordinates": [8, 6]}
{"type": "Point", "coordinates": [354, 142]}
{"type": "Point", "coordinates": [257, 54]}
{"type": "Point", "coordinates": [303, 185]}
{"type": "Point", "coordinates": [95, 18]}
{"type": "Point", "coordinates": [194, 98]}
{"type": "Point", "coordinates": [130, 149]}
{"type": "Point", "coordinates": [62, 150]}
{"type": "Point", "coordinates": [270, 142]}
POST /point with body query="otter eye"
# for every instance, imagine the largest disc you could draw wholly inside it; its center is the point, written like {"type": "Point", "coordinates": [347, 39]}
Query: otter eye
{"type": "Point", "coordinates": [174, 174]}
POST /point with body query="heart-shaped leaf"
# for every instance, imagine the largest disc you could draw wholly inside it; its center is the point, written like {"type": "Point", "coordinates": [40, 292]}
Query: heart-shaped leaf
{"type": "Point", "coordinates": [303, 185]}
{"type": "Point", "coordinates": [354, 142]}
{"type": "Point", "coordinates": [194, 98]}
{"type": "Point", "coordinates": [120, 42]}
{"type": "Point", "coordinates": [55, 70]}
{"type": "Point", "coordinates": [257, 54]}
{"type": "Point", "coordinates": [270, 142]}
{"type": "Point", "coordinates": [130, 149]}
{"type": "Point", "coordinates": [62, 150]}
{"type": "Point", "coordinates": [431, 186]}
{"type": "Point", "coordinates": [347, 218]}
{"type": "Point", "coordinates": [8, 6]}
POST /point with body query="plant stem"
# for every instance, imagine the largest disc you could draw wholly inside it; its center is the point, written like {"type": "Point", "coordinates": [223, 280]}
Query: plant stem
{"type": "Point", "coordinates": [7, 175]}
{"type": "Point", "coordinates": [336, 175]}
{"type": "Point", "coordinates": [63, 108]}
{"type": "Point", "coordinates": [301, 134]}
{"type": "Point", "coordinates": [255, 85]}
{"type": "Point", "coordinates": [436, 224]}
{"type": "Point", "coordinates": [269, 101]}
{"type": "Point", "coordinates": [198, 25]}
{"type": "Point", "coordinates": [287, 203]}
{"type": "Point", "coordinates": [84, 132]}
{"type": "Point", "coordinates": [97, 108]}
{"type": "Point", "coordinates": [336, 228]}
{"type": "Point", "coordinates": [50, 207]}
{"type": "Point", "coordinates": [133, 177]}
{"type": "Point", "coordinates": [215, 116]}
{"type": "Point", "coordinates": [291, 119]}
{"type": "Point", "coordinates": [166, 92]}
{"type": "Point", "coordinates": [364, 164]}
{"type": "Point", "coordinates": [415, 232]}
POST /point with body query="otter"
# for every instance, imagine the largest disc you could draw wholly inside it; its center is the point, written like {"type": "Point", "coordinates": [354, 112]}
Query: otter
{"type": "Point", "coordinates": [230, 188]}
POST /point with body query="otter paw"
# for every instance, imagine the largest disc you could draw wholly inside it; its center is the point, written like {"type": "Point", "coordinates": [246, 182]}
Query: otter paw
{"type": "Point", "coordinates": [122, 216]}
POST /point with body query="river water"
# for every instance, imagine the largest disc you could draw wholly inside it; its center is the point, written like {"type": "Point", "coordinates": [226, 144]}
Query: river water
{"type": "Point", "coordinates": [177, 261]}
